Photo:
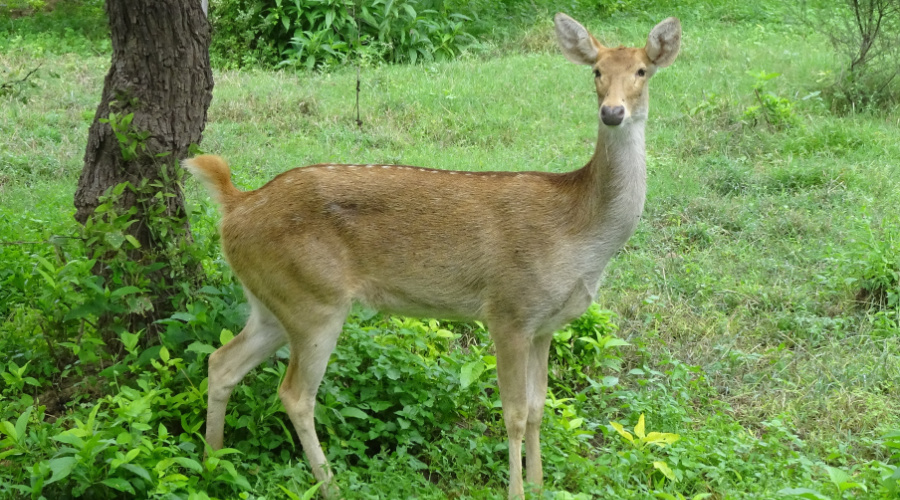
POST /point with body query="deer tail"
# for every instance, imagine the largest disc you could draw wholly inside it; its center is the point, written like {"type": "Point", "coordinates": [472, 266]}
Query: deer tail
{"type": "Point", "coordinates": [212, 171]}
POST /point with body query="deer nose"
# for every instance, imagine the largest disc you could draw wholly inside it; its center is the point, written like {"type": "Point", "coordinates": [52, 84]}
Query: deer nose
{"type": "Point", "coordinates": [612, 115]}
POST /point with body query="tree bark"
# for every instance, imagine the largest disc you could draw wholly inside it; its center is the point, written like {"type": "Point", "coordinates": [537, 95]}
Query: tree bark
{"type": "Point", "coordinates": [153, 108]}
{"type": "Point", "coordinates": [160, 73]}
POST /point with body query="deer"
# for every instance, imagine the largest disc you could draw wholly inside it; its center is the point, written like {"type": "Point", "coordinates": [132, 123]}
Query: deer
{"type": "Point", "coordinates": [523, 252]}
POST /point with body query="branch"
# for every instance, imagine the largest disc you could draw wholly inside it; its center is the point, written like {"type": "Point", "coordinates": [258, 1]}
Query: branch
{"type": "Point", "coordinates": [10, 85]}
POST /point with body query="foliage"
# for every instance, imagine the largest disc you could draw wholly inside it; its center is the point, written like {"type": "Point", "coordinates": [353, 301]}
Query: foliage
{"type": "Point", "coordinates": [39, 27]}
{"type": "Point", "coordinates": [865, 35]}
{"type": "Point", "coordinates": [777, 112]}
{"type": "Point", "coordinates": [315, 33]}
{"type": "Point", "coordinates": [640, 441]}
{"type": "Point", "coordinates": [873, 273]}
{"type": "Point", "coordinates": [583, 349]}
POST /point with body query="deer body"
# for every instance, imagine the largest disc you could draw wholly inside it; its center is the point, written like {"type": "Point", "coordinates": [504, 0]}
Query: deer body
{"type": "Point", "coordinates": [522, 252]}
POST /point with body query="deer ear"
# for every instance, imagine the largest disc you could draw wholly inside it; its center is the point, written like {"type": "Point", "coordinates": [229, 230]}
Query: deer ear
{"type": "Point", "coordinates": [664, 42]}
{"type": "Point", "coordinates": [576, 43]}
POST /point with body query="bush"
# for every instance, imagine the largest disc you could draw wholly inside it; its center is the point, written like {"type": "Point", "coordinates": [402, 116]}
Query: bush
{"type": "Point", "coordinates": [866, 37]}
{"type": "Point", "coordinates": [315, 33]}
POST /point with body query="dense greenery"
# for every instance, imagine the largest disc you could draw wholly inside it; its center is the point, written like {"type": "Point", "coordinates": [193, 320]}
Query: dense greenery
{"type": "Point", "coordinates": [753, 319]}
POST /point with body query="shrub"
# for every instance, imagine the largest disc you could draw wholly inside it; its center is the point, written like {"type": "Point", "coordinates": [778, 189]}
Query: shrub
{"type": "Point", "coordinates": [866, 37]}
{"type": "Point", "coordinates": [315, 33]}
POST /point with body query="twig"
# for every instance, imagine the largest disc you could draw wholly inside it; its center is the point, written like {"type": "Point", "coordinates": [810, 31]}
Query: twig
{"type": "Point", "coordinates": [10, 85]}
{"type": "Point", "coordinates": [762, 106]}
{"type": "Point", "coordinates": [358, 120]}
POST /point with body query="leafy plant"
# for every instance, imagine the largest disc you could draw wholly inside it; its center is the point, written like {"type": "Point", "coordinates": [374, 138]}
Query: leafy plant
{"type": "Point", "coordinates": [131, 141]}
{"type": "Point", "coordinates": [584, 348]}
{"type": "Point", "coordinates": [641, 440]}
{"type": "Point", "coordinates": [865, 34]}
{"type": "Point", "coordinates": [315, 33]}
{"type": "Point", "coordinates": [777, 112]}
{"type": "Point", "coordinates": [872, 269]}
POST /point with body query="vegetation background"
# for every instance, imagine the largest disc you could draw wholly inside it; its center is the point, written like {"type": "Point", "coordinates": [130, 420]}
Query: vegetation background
{"type": "Point", "coordinates": [753, 319]}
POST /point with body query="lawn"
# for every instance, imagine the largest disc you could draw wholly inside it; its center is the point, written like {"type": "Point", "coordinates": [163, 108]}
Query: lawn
{"type": "Point", "coordinates": [758, 298]}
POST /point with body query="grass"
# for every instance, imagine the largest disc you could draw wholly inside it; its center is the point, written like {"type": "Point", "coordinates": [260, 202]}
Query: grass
{"type": "Point", "coordinates": [740, 292]}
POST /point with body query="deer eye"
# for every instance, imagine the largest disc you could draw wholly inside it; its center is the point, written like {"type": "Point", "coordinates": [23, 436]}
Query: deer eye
{"type": "Point", "coordinates": [596, 73]}
{"type": "Point", "coordinates": [641, 72]}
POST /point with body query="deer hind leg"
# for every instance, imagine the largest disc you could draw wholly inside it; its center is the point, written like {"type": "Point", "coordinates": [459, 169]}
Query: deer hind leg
{"type": "Point", "coordinates": [228, 365]}
{"type": "Point", "coordinates": [311, 345]}
{"type": "Point", "coordinates": [537, 396]}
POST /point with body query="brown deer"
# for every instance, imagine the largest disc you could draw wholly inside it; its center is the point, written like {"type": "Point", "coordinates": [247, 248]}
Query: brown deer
{"type": "Point", "coordinates": [521, 251]}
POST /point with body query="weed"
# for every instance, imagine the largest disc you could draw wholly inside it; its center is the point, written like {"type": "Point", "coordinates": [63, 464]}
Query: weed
{"type": "Point", "coordinates": [311, 34]}
{"type": "Point", "coordinates": [775, 111]}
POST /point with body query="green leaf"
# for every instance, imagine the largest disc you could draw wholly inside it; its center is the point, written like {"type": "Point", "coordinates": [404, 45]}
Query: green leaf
{"type": "Point", "coordinates": [661, 439]}
{"type": "Point", "coordinates": [842, 479]}
{"type": "Point", "coordinates": [61, 468]}
{"type": "Point", "coordinates": [848, 485]}
{"type": "Point", "coordinates": [225, 336]}
{"type": "Point", "coordinates": [138, 471]}
{"type": "Point", "coordinates": [69, 438]}
{"type": "Point", "coordinates": [7, 428]}
{"type": "Point", "coordinates": [130, 340]}
{"type": "Point", "coordinates": [802, 493]}
{"type": "Point", "coordinates": [125, 290]}
{"type": "Point", "coordinates": [119, 484]}
{"type": "Point", "coordinates": [184, 316]}
{"type": "Point", "coordinates": [621, 430]}
{"type": "Point", "coordinates": [352, 411]}
{"type": "Point", "coordinates": [639, 428]}
{"type": "Point", "coordinates": [470, 373]}
{"type": "Point", "coordinates": [22, 422]}
{"type": "Point", "coordinates": [666, 471]}
{"type": "Point", "coordinates": [200, 347]}
{"type": "Point", "coordinates": [114, 239]}
{"type": "Point", "coordinates": [290, 494]}
{"type": "Point", "coordinates": [615, 342]}
{"type": "Point", "coordinates": [311, 492]}
{"type": "Point", "coordinates": [189, 463]}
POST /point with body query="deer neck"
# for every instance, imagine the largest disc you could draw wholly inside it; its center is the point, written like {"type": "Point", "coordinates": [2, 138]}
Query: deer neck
{"type": "Point", "coordinates": [618, 181]}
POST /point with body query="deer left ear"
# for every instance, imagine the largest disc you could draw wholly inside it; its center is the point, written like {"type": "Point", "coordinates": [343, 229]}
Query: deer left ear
{"type": "Point", "coordinates": [664, 42]}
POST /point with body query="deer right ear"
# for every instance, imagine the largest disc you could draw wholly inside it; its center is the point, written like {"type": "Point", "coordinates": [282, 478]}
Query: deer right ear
{"type": "Point", "coordinates": [576, 43]}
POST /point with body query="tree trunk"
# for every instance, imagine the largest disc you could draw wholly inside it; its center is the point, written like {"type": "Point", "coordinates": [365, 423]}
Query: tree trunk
{"type": "Point", "coordinates": [153, 108]}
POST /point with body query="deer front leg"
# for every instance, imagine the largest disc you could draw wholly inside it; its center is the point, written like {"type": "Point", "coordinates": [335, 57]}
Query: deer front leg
{"type": "Point", "coordinates": [537, 396]}
{"type": "Point", "coordinates": [512, 375]}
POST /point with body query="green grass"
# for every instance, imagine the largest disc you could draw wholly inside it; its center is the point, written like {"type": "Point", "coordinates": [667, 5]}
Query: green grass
{"type": "Point", "coordinates": [740, 292]}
